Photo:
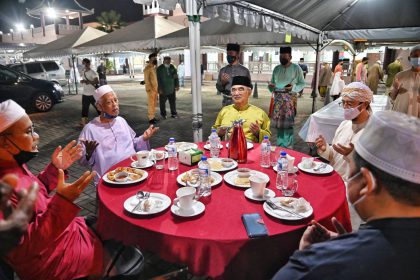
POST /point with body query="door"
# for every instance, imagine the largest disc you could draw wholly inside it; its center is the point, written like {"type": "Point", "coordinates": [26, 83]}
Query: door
{"type": "Point", "coordinates": [36, 71]}
{"type": "Point", "coordinates": [9, 87]}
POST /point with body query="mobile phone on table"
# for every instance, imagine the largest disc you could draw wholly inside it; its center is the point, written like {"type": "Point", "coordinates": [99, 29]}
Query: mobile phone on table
{"type": "Point", "coordinates": [254, 225]}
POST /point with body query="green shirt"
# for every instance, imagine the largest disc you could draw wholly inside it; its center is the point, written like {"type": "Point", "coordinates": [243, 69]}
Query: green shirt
{"type": "Point", "coordinates": [167, 79]}
{"type": "Point", "coordinates": [292, 74]}
{"type": "Point", "coordinates": [393, 68]}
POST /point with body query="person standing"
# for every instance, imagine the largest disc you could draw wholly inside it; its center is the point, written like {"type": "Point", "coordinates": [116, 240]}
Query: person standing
{"type": "Point", "coordinates": [392, 69]}
{"type": "Point", "coordinates": [102, 74]}
{"type": "Point", "coordinates": [181, 74]}
{"type": "Point", "coordinates": [339, 68]}
{"type": "Point", "coordinates": [361, 72]}
{"type": "Point", "coordinates": [287, 80]}
{"type": "Point", "coordinates": [406, 87]}
{"type": "Point", "coordinates": [375, 74]}
{"type": "Point", "coordinates": [304, 68]}
{"type": "Point", "coordinates": [151, 84]}
{"type": "Point", "coordinates": [226, 74]}
{"type": "Point", "coordinates": [90, 81]}
{"type": "Point", "coordinates": [168, 84]}
{"type": "Point", "coordinates": [324, 79]}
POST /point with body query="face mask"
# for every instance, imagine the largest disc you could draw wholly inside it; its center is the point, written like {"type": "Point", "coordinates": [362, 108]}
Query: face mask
{"type": "Point", "coordinates": [415, 61]}
{"type": "Point", "coordinates": [231, 59]}
{"type": "Point", "coordinates": [23, 156]}
{"type": "Point", "coordinates": [166, 65]}
{"type": "Point", "coordinates": [360, 199]}
{"type": "Point", "coordinates": [351, 113]}
{"type": "Point", "coordinates": [154, 62]}
{"type": "Point", "coordinates": [108, 116]}
{"type": "Point", "coordinates": [284, 61]}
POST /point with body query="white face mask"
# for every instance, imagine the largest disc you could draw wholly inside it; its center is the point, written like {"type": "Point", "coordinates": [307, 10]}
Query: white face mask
{"type": "Point", "coordinates": [351, 113]}
{"type": "Point", "coordinates": [360, 199]}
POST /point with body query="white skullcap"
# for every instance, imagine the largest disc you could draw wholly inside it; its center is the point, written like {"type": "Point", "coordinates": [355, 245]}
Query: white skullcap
{"type": "Point", "coordinates": [357, 91]}
{"type": "Point", "coordinates": [10, 112]}
{"type": "Point", "coordinates": [415, 48]}
{"type": "Point", "coordinates": [391, 142]}
{"type": "Point", "coordinates": [101, 91]}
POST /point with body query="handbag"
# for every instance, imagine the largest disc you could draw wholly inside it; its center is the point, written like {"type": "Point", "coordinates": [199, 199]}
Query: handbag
{"type": "Point", "coordinates": [94, 85]}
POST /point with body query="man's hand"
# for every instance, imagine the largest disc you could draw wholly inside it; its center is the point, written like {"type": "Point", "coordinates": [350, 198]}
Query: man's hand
{"type": "Point", "coordinates": [71, 191]}
{"type": "Point", "coordinates": [15, 220]}
{"type": "Point", "coordinates": [271, 86]}
{"type": "Point", "coordinates": [316, 233]}
{"type": "Point", "coordinates": [225, 78]}
{"type": "Point", "coordinates": [345, 151]}
{"type": "Point", "coordinates": [64, 158]}
{"type": "Point", "coordinates": [90, 147]}
{"type": "Point", "coordinates": [150, 132]}
{"type": "Point", "coordinates": [321, 144]}
{"type": "Point", "coordinates": [221, 131]}
{"type": "Point", "coordinates": [288, 87]}
{"type": "Point", "coordinates": [255, 128]}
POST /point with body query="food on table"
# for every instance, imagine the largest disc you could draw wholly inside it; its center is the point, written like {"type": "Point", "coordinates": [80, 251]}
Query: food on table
{"type": "Point", "coordinates": [242, 181]}
{"type": "Point", "coordinates": [193, 177]}
{"type": "Point", "coordinates": [298, 204]}
{"type": "Point", "coordinates": [147, 205]}
{"type": "Point", "coordinates": [132, 173]}
{"type": "Point", "coordinates": [215, 164]}
{"type": "Point", "coordinates": [287, 201]}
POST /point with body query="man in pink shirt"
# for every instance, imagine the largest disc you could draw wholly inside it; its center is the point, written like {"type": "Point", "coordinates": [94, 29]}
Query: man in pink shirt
{"type": "Point", "coordinates": [361, 71]}
{"type": "Point", "coordinates": [57, 244]}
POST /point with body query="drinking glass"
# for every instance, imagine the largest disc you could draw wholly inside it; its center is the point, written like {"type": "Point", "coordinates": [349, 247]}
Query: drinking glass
{"type": "Point", "coordinates": [159, 158]}
{"type": "Point", "coordinates": [274, 156]}
{"type": "Point", "coordinates": [292, 186]}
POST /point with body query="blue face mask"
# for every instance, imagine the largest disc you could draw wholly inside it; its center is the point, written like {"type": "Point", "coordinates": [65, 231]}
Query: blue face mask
{"type": "Point", "coordinates": [108, 116]}
{"type": "Point", "coordinates": [415, 61]}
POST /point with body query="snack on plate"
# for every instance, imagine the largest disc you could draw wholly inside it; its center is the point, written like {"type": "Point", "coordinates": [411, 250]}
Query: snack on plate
{"type": "Point", "coordinates": [242, 181]}
{"type": "Point", "coordinates": [147, 205]}
{"type": "Point", "coordinates": [215, 164]}
{"type": "Point", "coordinates": [133, 173]}
{"type": "Point", "coordinates": [287, 201]}
{"type": "Point", "coordinates": [193, 177]}
{"type": "Point", "coordinates": [300, 205]}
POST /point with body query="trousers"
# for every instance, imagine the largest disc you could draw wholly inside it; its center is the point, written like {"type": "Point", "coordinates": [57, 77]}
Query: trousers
{"type": "Point", "coordinates": [86, 101]}
{"type": "Point", "coordinates": [151, 104]}
{"type": "Point", "coordinates": [162, 104]}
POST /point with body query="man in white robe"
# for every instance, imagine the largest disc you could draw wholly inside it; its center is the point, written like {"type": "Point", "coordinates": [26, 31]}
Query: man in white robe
{"type": "Point", "coordinates": [108, 139]}
{"type": "Point", "coordinates": [356, 98]}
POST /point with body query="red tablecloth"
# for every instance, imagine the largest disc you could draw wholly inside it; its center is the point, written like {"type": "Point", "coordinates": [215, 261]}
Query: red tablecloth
{"type": "Point", "coordinates": [215, 243]}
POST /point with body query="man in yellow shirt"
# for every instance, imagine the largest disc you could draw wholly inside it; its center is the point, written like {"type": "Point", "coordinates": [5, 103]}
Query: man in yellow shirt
{"type": "Point", "coordinates": [257, 123]}
{"type": "Point", "coordinates": [150, 80]}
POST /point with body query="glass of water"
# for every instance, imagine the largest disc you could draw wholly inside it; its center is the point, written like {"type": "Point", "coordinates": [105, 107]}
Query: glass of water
{"type": "Point", "coordinates": [292, 185]}
{"type": "Point", "coordinates": [159, 158]}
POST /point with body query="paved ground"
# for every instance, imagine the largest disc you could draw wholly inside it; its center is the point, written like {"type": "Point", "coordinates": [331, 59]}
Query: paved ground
{"type": "Point", "coordinates": [60, 126]}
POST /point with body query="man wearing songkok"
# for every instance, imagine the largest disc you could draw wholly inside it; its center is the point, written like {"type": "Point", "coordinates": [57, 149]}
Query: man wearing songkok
{"type": "Point", "coordinates": [356, 99]}
{"type": "Point", "coordinates": [406, 87]}
{"type": "Point", "coordinates": [257, 123]}
{"type": "Point", "coordinates": [392, 70]}
{"type": "Point", "coordinates": [287, 80]}
{"type": "Point", "coordinates": [361, 71]}
{"type": "Point", "coordinates": [226, 74]}
{"type": "Point", "coordinates": [57, 244]}
{"type": "Point", "coordinates": [168, 85]}
{"type": "Point", "coordinates": [108, 139]}
{"type": "Point", "coordinates": [375, 73]}
{"type": "Point", "coordinates": [384, 189]}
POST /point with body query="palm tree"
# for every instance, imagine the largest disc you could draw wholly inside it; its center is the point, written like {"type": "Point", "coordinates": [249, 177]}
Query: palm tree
{"type": "Point", "coordinates": [109, 21]}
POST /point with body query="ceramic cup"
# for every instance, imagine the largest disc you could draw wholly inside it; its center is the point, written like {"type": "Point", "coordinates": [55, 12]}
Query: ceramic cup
{"type": "Point", "coordinates": [291, 162]}
{"type": "Point", "coordinates": [258, 186]}
{"type": "Point", "coordinates": [142, 157]}
{"type": "Point", "coordinates": [185, 198]}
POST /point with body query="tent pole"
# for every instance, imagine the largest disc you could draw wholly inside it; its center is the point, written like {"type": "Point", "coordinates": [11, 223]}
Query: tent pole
{"type": "Point", "coordinates": [74, 73]}
{"type": "Point", "coordinates": [199, 80]}
{"type": "Point", "coordinates": [317, 63]}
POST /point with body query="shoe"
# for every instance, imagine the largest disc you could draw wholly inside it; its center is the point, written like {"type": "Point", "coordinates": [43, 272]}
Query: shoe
{"type": "Point", "coordinates": [164, 117]}
{"type": "Point", "coordinates": [175, 117]}
{"type": "Point", "coordinates": [83, 121]}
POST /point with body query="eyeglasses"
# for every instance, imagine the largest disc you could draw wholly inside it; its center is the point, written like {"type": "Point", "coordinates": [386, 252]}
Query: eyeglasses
{"type": "Point", "coordinates": [350, 104]}
{"type": "Point", "coordinates": [238, 90]}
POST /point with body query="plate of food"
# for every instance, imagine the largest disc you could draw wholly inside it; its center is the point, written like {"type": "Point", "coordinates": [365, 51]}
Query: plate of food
{"type": "Point", "coordinates": [193, 178]}
{"type": "Point", "coordinates": [249, 145]}
{"type": "Point", "coordinates": [125, 175]}
{"type": "Point", "coordinates": [154, 204]}
{"type": "Point", "coordinates": [183, 146]}
{"type": "Point", "coordinates": [316, 167]}
{"type": "Point", "coordinates": [240, 177]}
{"type": "Point", "coordinates": [288, 208]}
{"type": "Point", "coordinates": [207, 146]}
{"type": "Point", "coordinates": [222, 164]}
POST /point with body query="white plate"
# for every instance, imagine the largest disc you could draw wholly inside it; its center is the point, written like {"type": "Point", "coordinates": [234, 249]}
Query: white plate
{"type": "Point", "coordinates": [234, 165]}
{"type": "Point", "coordinates": [279, 214]}
{"type": "Point", "coordinates": [217, 179]}
{"type": "Point", "coordinates": [207, 146]}
{"type": "Point", "coordinates": [145, 175]}
{"type": "Point", "coordinates": [249, 145]}
{"type": "Point", "coordinates": [295, 169]}
{"type": "Point", "coordinates": [231, 176]}
{"type": "Point", "coordinates": [132, 201]}
{"type": "Point", "coordinates": [197, 209]}
{"type": "Point", "coordinates": [326, 170]}
{"type": "Point", "coordinates": [148, 164]}
{"type": "Point", "coordinates": [267, 195]}
{"type": "Point", "coordinates": [183, 146]}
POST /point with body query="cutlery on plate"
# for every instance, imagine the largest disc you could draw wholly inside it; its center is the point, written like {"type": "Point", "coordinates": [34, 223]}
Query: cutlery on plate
{"type": "Point", "coordinates": [319, 168]}
{"type": "Point", "coordinates": [274, 206]}
{"type": "Point", "coordinates": [140, 195]}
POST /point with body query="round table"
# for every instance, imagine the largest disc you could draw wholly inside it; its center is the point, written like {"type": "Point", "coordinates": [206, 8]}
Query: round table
{"type": "Point", "coordinates": [215, 242]}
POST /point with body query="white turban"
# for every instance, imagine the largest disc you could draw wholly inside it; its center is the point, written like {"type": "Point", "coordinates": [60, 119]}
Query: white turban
{"type": "Point", "coordinates": [357, 91]}
{"type": "Point", "coordinates": [415, 48]}
{"type": "Point", "coordinates": [10, 112]}
{"type": "Point", "coordinates": [101, 91]}
{"type": "Point", "coordinates": [391, 143]}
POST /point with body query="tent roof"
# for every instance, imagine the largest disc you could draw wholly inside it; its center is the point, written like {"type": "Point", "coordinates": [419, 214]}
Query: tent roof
{"type": "Point", "coordinates": [62, 8]}
{"type": "Point", "coordinates": [137, 36]}
{"type": "Point", "coordinates": [64, 46]}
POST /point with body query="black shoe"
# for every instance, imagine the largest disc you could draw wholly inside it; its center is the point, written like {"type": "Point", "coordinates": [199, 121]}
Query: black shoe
{"type": "Point", "coordinates": [175, 117]}
{"type": "Point", "coordinates": [164, 117]}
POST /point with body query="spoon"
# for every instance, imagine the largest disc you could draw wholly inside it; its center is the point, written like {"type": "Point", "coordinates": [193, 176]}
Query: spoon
{"type": "Point", "coordinates": [140, 195]}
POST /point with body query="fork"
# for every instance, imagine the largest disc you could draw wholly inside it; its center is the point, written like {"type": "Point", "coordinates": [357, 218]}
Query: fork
{"type": "Point", "coordinates": [146, 195]}
{"type": "Point", "coordinates": [274, 206]}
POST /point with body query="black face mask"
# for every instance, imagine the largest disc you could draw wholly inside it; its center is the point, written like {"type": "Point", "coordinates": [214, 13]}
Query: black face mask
{"type": "Point", "coordinates": [23, 156]}
{"type": "Point", "coordinates": [231, 59]}
{"type": "Point", "coordinates": [284, 61]}
{"type": "Point", "coordinates": [154, 62]}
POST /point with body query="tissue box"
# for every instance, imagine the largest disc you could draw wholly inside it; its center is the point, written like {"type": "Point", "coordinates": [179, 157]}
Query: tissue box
{"type": "Point", "coordinates": [190, 157]}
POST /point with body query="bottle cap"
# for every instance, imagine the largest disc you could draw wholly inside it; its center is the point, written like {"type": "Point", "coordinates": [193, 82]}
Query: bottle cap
{"type": "Point", "coordinates": [283, 153]}
{"type": "Point", "coordinates": [265, 137]}
{"type": "Point", "coordinates": [171, 139]}
{"type": "Point", "coordinates": [203, 158]}
{"type": "Point", "coordinates": [213, 130]}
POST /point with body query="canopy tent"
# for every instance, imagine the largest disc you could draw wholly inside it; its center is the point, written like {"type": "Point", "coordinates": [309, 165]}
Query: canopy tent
{"type": "Point", "coordinates": [138, 36]}
{"type": "Point", "coordinates": [64, 46]}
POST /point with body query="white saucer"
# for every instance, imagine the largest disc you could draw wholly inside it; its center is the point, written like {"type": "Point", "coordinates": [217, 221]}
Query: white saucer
{"type": "Point", "coordinates": [197, 209]}
{"type": "Point", "coordinates": [267, 195]}
{"type": "Point", "coordinates": [207, 146]}
{"type": "Point", "coordinates": [135, 164]}
{"type": "Point", "coordinates": [294, 170]}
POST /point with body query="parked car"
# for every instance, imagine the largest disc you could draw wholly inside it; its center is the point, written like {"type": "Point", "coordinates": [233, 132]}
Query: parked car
{"type": "Point", "coordinates": [44, 70]}
{"type": "Point", "coordinates": [28, 92]}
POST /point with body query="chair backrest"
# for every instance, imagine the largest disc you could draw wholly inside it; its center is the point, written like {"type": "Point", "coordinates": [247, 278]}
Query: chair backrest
{"type": "Point", "coordinates": [6, 272]}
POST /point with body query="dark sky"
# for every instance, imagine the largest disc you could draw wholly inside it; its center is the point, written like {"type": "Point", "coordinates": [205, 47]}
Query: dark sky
{"type": "Point", "coordinates": [14, 11]}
